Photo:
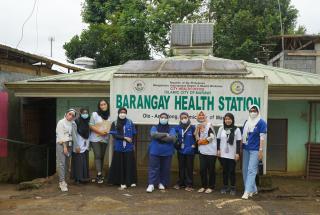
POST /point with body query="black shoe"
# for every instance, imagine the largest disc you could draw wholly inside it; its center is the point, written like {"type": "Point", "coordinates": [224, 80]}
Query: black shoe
{"type": "Point", "coordinates": [224, 190]}
{"type": "Point", "coordinates": [99, 179]}
{"type": "Point", "coordinates": [233, 191]}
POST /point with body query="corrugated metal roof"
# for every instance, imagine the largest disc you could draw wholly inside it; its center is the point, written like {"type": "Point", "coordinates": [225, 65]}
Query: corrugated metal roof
{"type": "Point", "coordinates": [93, 75]}
{"type": "Point", "coordinates": [276, 76]}
{"type": "Point", "coordinates": [36, 58]}
{"type": "Point", "coordinates": [284, 77]}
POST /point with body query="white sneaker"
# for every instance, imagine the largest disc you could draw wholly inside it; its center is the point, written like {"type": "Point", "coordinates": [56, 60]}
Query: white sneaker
{"type": "Point", "coordinates": [201, 190]}
{"type": "Point", "coordinates": [208, 190]}
{"type": "Point", "coordinates": [150, 188]}
{"type": "Point", "coordinates": [63, 186]}
{"type": "Point", "coordinates": [161, 187]}
{"type": "Point", "coordinates": [252, 194]}
{"type": "Point", "coordinates": [122, 187]}
{"type": "Point", "coordinates": [245, 196]}
{"type": "Point", "coordinates": [133, 185]}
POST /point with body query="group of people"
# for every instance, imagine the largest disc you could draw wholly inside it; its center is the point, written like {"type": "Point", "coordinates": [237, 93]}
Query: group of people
{"type": "Point", "coordinates": [76, 134]}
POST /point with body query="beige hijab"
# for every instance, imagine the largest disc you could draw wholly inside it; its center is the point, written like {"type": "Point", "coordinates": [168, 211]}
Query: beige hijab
{"type": "Point", "coordinates": [201, 126]}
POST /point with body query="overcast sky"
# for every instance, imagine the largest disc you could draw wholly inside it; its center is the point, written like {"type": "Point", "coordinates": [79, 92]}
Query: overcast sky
{"type": "Point", "coordinates": [61, 19]}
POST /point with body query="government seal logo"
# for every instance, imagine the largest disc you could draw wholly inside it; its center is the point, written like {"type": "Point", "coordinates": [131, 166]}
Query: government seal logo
{"type": "Point", "coordinates": [237, 87]}
{"type": "Point", "coordinates": [138, 86]}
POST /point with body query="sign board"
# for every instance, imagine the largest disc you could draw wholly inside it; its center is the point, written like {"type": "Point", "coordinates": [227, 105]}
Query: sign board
{"type": "Point", "coordinates": [147, 97]}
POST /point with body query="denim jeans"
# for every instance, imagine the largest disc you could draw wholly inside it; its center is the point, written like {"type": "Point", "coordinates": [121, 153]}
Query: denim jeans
{"type": "Point", "coordinates": [249, 170]}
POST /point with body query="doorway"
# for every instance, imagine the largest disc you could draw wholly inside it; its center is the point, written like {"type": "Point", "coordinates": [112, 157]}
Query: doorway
{"type": "Point", "coordinates": [277, 144]}
{"type": "Point", "coordinates": [38, 130]}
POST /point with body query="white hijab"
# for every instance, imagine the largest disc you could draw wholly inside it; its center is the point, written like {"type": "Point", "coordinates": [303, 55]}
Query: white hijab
{"type": "Point", "coordinates": [250, 123]}
{"type": "Point", "coordinates": [68, 124]}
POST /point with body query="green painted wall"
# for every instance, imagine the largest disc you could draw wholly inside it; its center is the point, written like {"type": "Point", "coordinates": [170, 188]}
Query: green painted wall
{"type": "Point", "coordinates": [298, 130]}
{"type": "Point", "coordinates": [63, 104]}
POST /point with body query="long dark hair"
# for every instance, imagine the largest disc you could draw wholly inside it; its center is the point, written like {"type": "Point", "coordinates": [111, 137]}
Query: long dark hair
{"type": "Point", "coordinates": [104, 114]}
{"type": "Point", "coordinates": [231, 127]}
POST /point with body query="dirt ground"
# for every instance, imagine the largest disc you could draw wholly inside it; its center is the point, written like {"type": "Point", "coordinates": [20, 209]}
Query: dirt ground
{"type": "Point", "coordinates": [293, 196]}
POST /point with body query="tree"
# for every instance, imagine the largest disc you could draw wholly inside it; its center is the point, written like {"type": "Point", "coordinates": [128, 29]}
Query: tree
{"type": "Point", "coordinates": [241, 26]}
{"type": "Point", "coordinates": [115, 35]}
{"type": "Point", "coordinates": [122, 30]}
{"type": "Point", "coordinates": [162, 14]}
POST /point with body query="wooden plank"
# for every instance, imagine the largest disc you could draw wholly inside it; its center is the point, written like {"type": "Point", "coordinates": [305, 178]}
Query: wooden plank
{"type": "Point", "coordinates": [301, 53]}
{"type": "Point", "coordinates": [305, 45]}
{"type": "Point", "coordinates": [314, 165]}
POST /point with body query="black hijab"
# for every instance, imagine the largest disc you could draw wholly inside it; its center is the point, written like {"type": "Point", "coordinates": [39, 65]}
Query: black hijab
{"type": "Point", "coordinates": [231, 127]}
{"type": "Point", "coordinates": [184, 126]}
{"type": "Point", "coordinates": [163, 128]}
{"type": "Point", "coordinates": [104, 114]}
{"type": "Point", "coordinates": [83, 124]}
{"type": "Point", "coordinates": [121, 122]}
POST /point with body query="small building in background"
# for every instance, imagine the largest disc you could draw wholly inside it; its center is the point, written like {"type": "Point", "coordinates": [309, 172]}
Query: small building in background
{"type": "Point", "coordinates": [301, 52]}
{"type": "Point", "coordinates": [17, 117]}
{"type": "Point", "coordinates": [86, 62]}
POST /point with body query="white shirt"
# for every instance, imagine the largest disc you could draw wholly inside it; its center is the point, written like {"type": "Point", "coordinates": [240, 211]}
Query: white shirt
{"type": "Point", "coordinates": [94, 120]}
{"type": "Point", "coordinates": [82, 143]}
{"type": "Point", "coordinates": [227, 150]}
{"type": "Point", "coordinates": [63, 131]}
{"type": "Point", "coordinates": [211, 147]}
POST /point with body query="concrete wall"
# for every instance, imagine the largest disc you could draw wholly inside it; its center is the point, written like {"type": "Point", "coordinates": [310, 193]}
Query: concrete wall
{"type": "Point", "coordinates": [12, 76]}
{"type": "Point", "coordinates": [301, 63]}
{"type": "Point", "coordinates": [317, 48]}
{"type": "Point", "coordinates": [297, 113]}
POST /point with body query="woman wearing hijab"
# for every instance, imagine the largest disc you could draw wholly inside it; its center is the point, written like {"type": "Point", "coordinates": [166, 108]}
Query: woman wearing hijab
{"type": "Point", "coordinates": [228, 140]}
{"type": "Point", "coordinates": [64, 139]}
{"type": "Point", "coordinates": [254, 134]}
{"type": "Point", "coordinates": [161, 150]}
{"type": "Point", "coordinates": [186, 150]}
{"type": "Point", "coordinates": [207, 144]}
{"type": "Point", "coordinates": [80, 168]}
{"type": "Point", "coordinates": [99, 126]}
{"type": "Point", "coordinates": [123, 170]}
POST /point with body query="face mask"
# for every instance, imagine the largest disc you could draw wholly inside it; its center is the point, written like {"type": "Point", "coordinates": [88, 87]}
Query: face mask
{"type": "Point", "coordinates": [253, 115]}
{"type": "Point", "coordinates": [122, 115]}
{"type": "Point", "coordinates": [184, 121]}
{"type": "Point", "coordinates": [163, 121]}
{"type": "Point", "coordinates": [200, 120]}
{"type": "Point", "coordinates": [84, 116]}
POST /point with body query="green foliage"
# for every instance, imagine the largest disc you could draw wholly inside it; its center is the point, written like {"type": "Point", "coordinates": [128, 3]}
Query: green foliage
{"type": "Point", "coordinates": [120, 30]}
{"type": "Point", "coordinates": [115, 35]}
{"type": "Point", "coordinates": [241, 26]}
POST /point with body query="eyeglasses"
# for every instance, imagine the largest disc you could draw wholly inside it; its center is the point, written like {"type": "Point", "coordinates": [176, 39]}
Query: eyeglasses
{"type": "Point", "coordinates": [253, 110]}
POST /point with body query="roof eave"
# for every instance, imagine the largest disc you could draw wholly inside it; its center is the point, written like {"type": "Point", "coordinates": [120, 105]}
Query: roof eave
{"type": "Point", "coordinates": [57, 90]}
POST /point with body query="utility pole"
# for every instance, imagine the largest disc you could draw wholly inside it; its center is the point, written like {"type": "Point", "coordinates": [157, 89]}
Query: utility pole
{"type": "Point", "coordinates": [281, 27]}
{"type": "Point", "coordinates": [51, 40]}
